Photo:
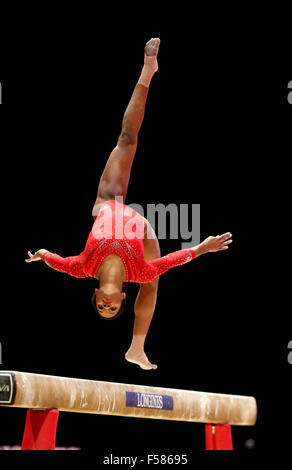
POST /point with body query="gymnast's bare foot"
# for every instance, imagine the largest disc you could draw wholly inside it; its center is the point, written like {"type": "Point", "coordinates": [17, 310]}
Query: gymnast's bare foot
{"type": "Point", "coordinates": [151, 51]}
{"type": "Point", "coordinates": [140, 359]}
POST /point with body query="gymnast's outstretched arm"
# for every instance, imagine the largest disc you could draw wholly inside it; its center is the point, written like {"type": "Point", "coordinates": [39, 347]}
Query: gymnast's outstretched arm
{"type": "Point", "coordinates": [72, 265]}
{"type": "Point", "coordinates": [36, 257]}
{"type": "Point", "coordinates": [213, 244]}
{"type": "Point", "coordinates": [159, 266]}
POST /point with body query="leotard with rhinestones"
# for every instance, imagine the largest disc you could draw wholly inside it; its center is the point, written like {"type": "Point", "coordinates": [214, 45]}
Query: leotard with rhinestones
{"type": "Point", "coordinates": [117, 229]}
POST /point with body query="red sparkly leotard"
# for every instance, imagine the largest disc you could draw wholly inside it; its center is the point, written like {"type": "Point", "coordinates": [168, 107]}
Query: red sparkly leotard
{"type": "Point", "coordinates": [117, 229]}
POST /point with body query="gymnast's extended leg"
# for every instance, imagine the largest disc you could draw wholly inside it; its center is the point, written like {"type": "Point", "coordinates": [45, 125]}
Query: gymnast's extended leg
{"type": "Point", "coordinates": [115, 178]}
{"type": "Point", "coordinates": [144, 306]}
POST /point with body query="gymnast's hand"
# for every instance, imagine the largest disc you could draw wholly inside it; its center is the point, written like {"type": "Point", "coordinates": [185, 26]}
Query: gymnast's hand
{"type": "Point", "coordinates": [36, 257]}
{"type": "Point", "coordinates": [219, 243]}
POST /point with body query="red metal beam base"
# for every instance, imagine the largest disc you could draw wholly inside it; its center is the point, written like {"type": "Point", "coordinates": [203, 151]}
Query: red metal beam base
{"type": "Point", "coordinates": [218, 437]}
{"type": "Point", "coordinates": [40, 430]}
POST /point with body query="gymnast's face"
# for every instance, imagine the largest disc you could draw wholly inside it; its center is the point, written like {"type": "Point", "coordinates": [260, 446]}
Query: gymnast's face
{"type": "Point", "coordinates": [108, 300]}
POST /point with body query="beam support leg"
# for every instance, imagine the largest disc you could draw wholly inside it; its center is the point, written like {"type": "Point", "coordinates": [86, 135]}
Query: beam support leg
{"type": "Point", "coordinates": [218, 437]}
{"type": "Point", "coordinates": [40, 430]}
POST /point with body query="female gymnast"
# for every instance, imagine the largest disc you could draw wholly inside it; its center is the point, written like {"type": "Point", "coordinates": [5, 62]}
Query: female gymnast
{"type": "Point", "coordinates": [122, 246]}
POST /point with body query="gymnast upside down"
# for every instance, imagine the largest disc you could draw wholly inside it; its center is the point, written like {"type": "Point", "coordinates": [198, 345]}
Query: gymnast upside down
{"type": "Point", "coordinates": [112, 259]}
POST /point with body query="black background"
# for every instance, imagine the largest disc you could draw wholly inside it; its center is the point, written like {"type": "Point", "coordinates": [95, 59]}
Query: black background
{"type": "Point", "coordinates": [216, 132]}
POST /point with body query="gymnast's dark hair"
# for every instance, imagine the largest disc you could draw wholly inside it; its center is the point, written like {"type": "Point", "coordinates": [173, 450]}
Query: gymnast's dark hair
{"type": "Point", "coordinates": [114, 317]}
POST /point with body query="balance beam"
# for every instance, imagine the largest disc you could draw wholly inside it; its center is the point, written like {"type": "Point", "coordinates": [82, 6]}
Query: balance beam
{"type": "Point", "coordinates": [34, 391]}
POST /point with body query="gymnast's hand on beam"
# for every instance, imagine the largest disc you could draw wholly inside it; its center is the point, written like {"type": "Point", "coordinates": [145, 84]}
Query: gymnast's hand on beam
{"type": "Point", "coordinates": [36, 257]}
{"type": "Point", "coordinates": [219, 243]}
